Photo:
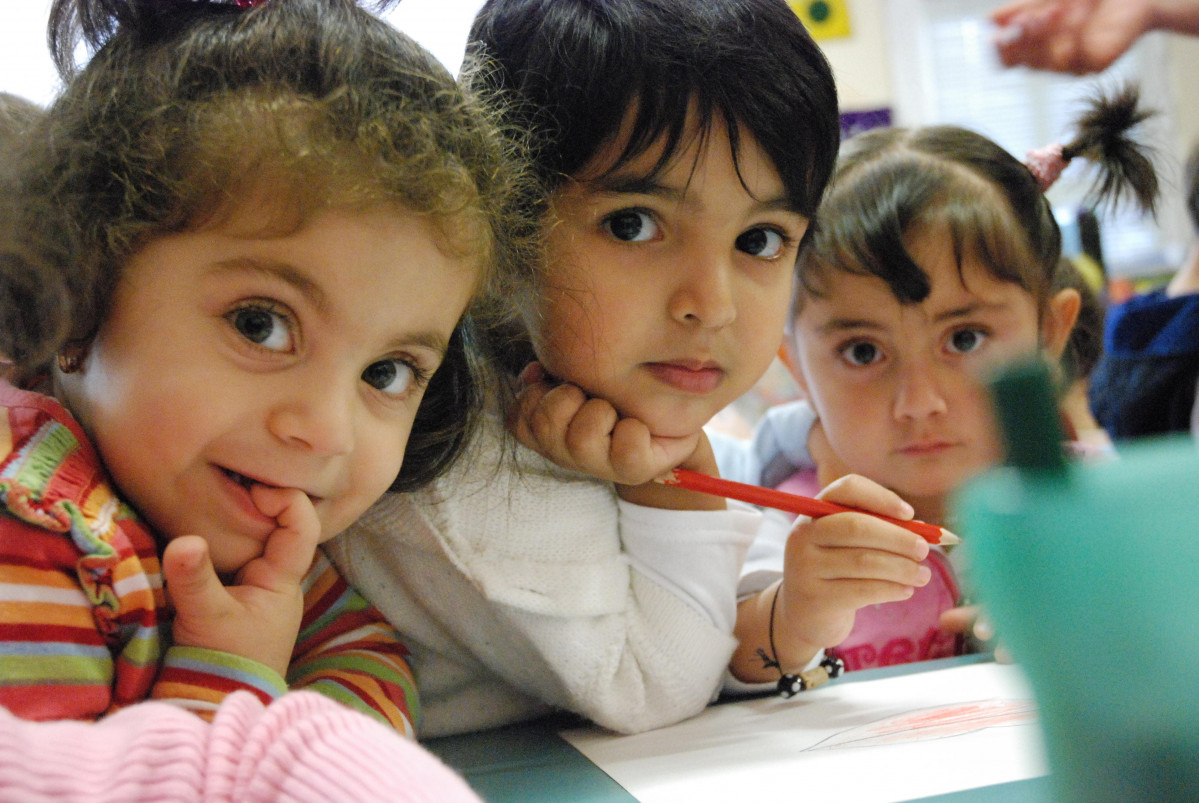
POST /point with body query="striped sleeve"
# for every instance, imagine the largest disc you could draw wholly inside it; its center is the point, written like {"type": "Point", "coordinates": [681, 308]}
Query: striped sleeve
{"type": "Point", "coordinates": [80, 584]}
{"type": "Point", "coordinates": [54, 663]}
{"type": "Point", "coordinates": [199, 679]}
{"type": "Point", "coordinates": [348, 651]}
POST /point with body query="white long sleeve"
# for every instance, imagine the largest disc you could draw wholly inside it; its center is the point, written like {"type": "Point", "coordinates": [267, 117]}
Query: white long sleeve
{"type": "Point", "coordinates": [520, 591]}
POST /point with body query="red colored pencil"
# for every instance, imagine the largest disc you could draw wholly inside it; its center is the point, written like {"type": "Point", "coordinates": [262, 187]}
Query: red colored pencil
{"type": "Point", "coordinates": [794, 503]}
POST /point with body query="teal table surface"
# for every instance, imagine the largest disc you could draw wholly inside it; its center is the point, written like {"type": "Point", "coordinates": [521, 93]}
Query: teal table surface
{"type": "Point", "coordinates": [531, 763]}
{"type": "Point", "coordinates": [528, 763]}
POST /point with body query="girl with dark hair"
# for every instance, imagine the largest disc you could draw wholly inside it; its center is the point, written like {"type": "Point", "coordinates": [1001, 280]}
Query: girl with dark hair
{"type": "Point", "coordinates": [237, 252]}
{"type": "Point", "coordinates": [683, 148]}
{"type": "Point", "coordinates": [937, 257]}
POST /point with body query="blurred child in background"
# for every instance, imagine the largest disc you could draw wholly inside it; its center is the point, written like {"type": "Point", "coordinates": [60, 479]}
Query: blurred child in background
{"type": "Point", "coordinates": [1146, 381]}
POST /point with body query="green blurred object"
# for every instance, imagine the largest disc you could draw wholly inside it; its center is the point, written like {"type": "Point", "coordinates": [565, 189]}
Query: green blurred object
{"type": "Point", "coordinates": [1090, 573]}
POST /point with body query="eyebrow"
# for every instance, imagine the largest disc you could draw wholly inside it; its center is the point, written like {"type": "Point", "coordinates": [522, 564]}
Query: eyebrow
{"type": "Point", "coordinates": [282, 271]}
{"type": "Point", "coordinates": [316, 296]}
{"type": "Point", "coordinates": [964, 311]}
{"type": "Point", "coordinates": [972, 308]}
{"type": "Point", "coordinates": [843, 324]}
{"type": "Point", "coordinates": [628, 184]}
{"type": "Point", "coordinates": [433, 341]}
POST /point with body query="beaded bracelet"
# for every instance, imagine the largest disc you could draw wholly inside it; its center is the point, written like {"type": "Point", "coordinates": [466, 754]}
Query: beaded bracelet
{"type": "Point", "coordinates": [790, 684]}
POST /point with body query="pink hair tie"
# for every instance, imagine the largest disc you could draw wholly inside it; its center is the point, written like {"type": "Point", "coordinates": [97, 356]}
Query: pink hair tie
{"type": "Point", "coordinates": [1046, 164]}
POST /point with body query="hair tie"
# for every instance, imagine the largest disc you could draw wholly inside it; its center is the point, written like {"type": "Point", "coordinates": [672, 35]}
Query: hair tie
{"type": "Point", "coordinates": [1046, 164]}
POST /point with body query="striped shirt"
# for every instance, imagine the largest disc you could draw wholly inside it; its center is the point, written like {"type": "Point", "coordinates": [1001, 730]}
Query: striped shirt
{"type": "Point", "coordinates": [83, 627]}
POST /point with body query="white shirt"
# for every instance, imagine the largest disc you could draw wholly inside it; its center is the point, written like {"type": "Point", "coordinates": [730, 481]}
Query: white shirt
{"type": "Point", "coordinates": [520, 587]}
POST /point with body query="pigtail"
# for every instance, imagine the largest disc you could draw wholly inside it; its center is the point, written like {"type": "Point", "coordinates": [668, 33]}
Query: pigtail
{"type": "Point", "coordinates": [1104, 138]}
{"type": "Point", "coordinates": [93, 22]}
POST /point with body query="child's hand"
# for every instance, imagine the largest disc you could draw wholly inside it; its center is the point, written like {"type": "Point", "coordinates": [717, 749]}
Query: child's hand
{"type": "Point", "coordinates": [832, 566]}
{"type": "Point", "coordinates": [258, 617]}
{"type": "Point", "coordinates": [563, 424]}
{"type": "Point", "coordinates": [969, 622]}
{"type": "Point", "coordinates": [836, 564]}
{"type": "Point", "coordinates": [1075, 36]}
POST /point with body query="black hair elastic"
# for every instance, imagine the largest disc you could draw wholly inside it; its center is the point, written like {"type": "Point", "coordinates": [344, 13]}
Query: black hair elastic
{"type": "Point", "coordinates": [789, 684]}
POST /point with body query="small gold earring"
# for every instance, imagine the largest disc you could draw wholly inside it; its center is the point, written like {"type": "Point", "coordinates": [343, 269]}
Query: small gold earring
{"type": "Point", "coordinates": [70, 360]}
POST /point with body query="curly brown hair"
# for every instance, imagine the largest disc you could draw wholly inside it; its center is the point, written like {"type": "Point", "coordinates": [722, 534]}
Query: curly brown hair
{"type": "Point", "coordinates": [17, 115]}
{"type": "Point", "coordinates": [189, 109]}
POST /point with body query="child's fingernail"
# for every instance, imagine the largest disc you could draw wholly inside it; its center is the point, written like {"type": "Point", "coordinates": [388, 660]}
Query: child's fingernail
{"type": "Point", "coordinates": [926, 574]}
{"type": "Point", "coordinates": [983, 631]}
{"type": "Point", "coordinates": [532, 374]}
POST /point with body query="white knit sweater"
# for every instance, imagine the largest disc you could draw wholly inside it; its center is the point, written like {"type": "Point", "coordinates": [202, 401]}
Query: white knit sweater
{"type": "Point", "coordinates": [521, 591]}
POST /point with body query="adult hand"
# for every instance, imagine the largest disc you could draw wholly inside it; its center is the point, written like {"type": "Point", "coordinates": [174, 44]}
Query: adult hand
{"type": "Point", "coordinates": [1074, 36]}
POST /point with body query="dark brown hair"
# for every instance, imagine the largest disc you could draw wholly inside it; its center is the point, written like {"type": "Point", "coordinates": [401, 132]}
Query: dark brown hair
{"type": "Point", "coordinates": [17, 115]}
{"type": "Point", "coordinates": [570, 72]}
{"type": "Point", "coordinates": [572, 69]}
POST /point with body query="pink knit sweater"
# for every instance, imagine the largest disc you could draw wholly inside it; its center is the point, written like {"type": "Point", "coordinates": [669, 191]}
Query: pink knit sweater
{"type": "Point", "coordinates": [302, 747]}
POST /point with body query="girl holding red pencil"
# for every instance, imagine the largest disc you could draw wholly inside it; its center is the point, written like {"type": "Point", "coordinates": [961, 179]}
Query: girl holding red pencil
{"type": "Point", "coordinates": [680, 187]}
{"type": "Point", "coordinates": [936, 258]}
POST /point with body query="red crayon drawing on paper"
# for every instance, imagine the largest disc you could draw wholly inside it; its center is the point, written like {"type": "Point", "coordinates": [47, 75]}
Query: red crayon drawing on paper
{"type": "Point", "coordinates": [940, 722]}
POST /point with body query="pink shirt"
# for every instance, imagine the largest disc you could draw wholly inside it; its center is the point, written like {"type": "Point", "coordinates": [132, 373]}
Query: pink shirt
{"type": "Point", "coordinates": [908, 630]}
{"type": "Point", "coordinates": [301, 747]}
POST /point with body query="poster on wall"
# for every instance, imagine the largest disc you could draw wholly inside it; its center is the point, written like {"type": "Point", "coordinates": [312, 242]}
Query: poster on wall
{"type": "Point", "coordinates": [825, 19]}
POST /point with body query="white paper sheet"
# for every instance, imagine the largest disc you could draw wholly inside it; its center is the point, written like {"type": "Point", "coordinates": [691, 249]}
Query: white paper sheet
{"type": "Point", "coordinates": [892, 739]}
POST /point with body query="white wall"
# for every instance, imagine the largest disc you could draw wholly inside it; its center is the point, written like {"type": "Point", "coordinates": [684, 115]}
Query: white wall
{"type": "Point", "coordinates": [24, 60]}
{"type": "Point", "coordinates": [860, 61]}
{"type": "Point", "coordinates": [1183, 57]}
